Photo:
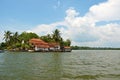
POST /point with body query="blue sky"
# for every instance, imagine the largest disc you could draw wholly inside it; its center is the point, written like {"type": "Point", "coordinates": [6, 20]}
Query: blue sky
{"type": "Point", "coordinates": [39, 15]}
{"type": "Point", "coordinates": [33, 12]}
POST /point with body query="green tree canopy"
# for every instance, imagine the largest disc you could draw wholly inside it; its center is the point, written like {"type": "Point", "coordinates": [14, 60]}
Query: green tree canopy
{"type": "Point", "coordinates": [7, 37]}
{"type": "Point", "coordinates": [67, 42]}
{"type": "Point", "coordinates": [56, 36]}
{"type": "Point", "coordinates": [13, 40]}
{"type": "Point", "coordinates": [27, 36]}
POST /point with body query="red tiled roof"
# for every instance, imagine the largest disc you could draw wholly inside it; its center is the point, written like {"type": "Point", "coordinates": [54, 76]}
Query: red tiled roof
{"type": "Point", "coordinates": [40, 43]}
{"type": "Point", "coordinates": [37, 41]}
{"type": "Point", "coordinates": [42, 46]}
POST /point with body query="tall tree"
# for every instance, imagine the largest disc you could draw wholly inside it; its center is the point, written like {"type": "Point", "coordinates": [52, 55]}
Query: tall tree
{"type": "Point", "coordinates": [2, 45]}
{"type": "Point", "coordinates": [27, 36]}
{"type": "Point", "coordinates": [7, 37]}
{"type": "Point", "coordinates": [47, 38]}
{"type": "Point", "coordinates": [68, 42]}
{"type": "Point", "coordinates": [15, 37]}
{"type": "Point", "coordinates": [57, 36]}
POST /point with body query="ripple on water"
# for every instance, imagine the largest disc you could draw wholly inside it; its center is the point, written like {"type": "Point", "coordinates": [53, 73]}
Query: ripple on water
{"type": "Point", "coordinates": [77, 65]}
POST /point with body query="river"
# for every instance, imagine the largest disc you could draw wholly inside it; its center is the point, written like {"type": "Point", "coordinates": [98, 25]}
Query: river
{"type": "Point", "coordinates": [75, 65]}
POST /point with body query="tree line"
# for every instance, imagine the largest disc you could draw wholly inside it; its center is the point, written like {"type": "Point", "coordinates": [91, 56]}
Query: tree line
{"type": "Point", "coordinates": [15, 40]}
{"type": "Point", "coordinates": [93, 48]}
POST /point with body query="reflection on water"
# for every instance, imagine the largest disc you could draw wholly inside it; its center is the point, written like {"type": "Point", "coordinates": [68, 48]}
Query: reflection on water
{"type": "Point", "coordinates": [77, 65]}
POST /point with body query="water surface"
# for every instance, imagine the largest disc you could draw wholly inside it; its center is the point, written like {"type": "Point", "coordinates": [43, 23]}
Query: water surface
{"type": "Point", "coordinates": [75, 65]}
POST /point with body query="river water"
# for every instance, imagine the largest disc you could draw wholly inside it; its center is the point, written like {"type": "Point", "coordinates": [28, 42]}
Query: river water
{"type": "Point", "coordinates": [75, 65]}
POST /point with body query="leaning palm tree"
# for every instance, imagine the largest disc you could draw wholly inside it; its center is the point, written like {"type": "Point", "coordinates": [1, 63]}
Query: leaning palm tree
{"type": "Point", "coordinates": [57, 38]}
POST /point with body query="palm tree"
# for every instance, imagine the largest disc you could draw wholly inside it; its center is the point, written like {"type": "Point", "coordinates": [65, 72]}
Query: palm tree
{"type": "Point", "coordinates": [15, 37]}
{"type": "Point", "coordinates": [7, 37]}
{"type": "Point", "coordinates": [68, 42]}
{"type": "Point", "coordinates": [56, 36]}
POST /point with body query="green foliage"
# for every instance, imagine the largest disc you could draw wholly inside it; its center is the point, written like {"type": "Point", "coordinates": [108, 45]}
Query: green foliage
{"type": "Point", "coordinates": [56, 36]}
{"type": "Point", "coordinates": [3, 45]}
{"type": "Point", "coordinates": [18, 45]}
{"type": "Point", "coordinates": [67, 42]}
{"type": "Point", "coordinates": [27, 36]}
{"type": "Point", "coordinates": [47, 38]}
{"type": "Point", "coordinates": [7, 37]}
{"type": "Point", "coordinates": [15, 37]}
{"type": "Point", "coordinates": [13, 40]}
{"type": "Point", "coordinates": [93, 48]}
{"type": "Point", "coordinates": [75, 47]}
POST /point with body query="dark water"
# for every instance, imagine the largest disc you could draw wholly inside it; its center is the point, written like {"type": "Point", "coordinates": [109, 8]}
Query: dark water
{"type": "Point", "coordinates": [76, 65]}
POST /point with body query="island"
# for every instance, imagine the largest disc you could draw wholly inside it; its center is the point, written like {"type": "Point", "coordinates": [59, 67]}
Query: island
{"type": "Point", "coordinates": [29, 41]}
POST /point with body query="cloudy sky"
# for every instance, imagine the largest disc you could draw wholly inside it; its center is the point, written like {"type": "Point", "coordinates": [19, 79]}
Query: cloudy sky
{"type": "Point", "coordinates": [94, 23]}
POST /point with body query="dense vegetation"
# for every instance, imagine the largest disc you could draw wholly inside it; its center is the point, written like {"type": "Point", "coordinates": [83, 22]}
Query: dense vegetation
{"type": "Point", "coordinates": [21, 41]}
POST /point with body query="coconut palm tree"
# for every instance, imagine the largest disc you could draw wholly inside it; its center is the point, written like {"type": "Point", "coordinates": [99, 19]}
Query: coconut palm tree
{"type": "Point", "coordinates": [15, 37]}
{"type": "Point", "coordinates": [7, 37]}
{"type": "Point", "coordinates": [56, 36]}
{"type": "Point", "coordinates": [68, 42]}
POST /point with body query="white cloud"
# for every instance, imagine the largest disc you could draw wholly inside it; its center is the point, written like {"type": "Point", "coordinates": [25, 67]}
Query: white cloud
{"type": "Point", "coordinates": [83, 30]}
{"type": "Point", "coordinates": [105, 11]}
{"type": "Point", "coordinates": [109, 32]}
{"type": "Point", "coordinates": [1, 38]}
{"type": "Point", "coordinates": [46, 28]}
{"type": "Point", "coordinates": [1, 33]}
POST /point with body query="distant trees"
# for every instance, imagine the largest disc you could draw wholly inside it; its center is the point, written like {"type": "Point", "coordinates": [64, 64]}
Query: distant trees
{"type": "Point", "coordinates": [93, 48]}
